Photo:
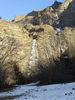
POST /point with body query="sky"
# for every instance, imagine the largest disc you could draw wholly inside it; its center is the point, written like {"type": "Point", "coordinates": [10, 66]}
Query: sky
{"type": "Point", "coordinates": [10, 8]}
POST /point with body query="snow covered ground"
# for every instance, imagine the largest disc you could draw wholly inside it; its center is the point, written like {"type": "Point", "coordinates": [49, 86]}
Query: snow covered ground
{"type": "Point", "coordinates": [47, 92]}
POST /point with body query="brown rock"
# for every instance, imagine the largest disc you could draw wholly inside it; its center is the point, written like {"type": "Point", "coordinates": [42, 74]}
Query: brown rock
{"type": "Point", "coordinates": [36, 52]}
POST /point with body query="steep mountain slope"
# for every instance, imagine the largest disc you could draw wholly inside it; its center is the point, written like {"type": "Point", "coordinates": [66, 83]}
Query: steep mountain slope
{"type": "Point", "coordinates": [39, 46]}
{"type": "Point", "coordinates": [68, 16]}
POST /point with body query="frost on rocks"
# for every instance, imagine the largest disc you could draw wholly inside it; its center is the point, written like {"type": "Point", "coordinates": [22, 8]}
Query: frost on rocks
{"type": "Point", "coordinates": [57, 22]}
{"type": "Point", "coordinates": [56, 33]}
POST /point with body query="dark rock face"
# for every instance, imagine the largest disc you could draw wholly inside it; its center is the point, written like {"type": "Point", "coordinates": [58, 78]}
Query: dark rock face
{"type": "Point", "coordinates": [68, 16]}
{"type": "Point", "coordinates": [2, 77]}
{"type": "Point", "coordinates": [56, 5]}
{"type": "Point", "coordinates": [32, 48]}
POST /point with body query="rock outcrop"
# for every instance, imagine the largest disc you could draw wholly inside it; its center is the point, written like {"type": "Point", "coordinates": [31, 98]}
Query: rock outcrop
{"type": "Point", "coordinates": [34, 46]}
{"type": "Point", "coordinates": [18, 18]}
{"type": "Point", "coordinates": [67, 18]}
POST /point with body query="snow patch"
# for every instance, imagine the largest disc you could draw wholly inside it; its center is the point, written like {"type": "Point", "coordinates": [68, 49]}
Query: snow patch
{"type": "Point", "coordinates": [58, 29]}
{"type": "Point", "coordinates": [33, 84]}
{"type": "Point", "coordinates": [48, 92]}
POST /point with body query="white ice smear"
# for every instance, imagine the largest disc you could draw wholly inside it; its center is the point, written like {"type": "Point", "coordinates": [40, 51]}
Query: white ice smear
{"type": "Point", "coordinates": [33, 60]}
{"type": "Point", "coordinates": [58, 29]}
{"type": "Point", "coordinates": [48, 92]}
{"type": "Point", "coordinates": [57, 22]}
{"type": "Point", "coordinates": [33, 84]}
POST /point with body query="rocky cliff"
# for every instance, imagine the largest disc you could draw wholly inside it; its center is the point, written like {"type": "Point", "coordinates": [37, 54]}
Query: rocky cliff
{"type": "Point", "coordinates": [67, 18]}
{"type": "Point", "coordinates": [39, 46]}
